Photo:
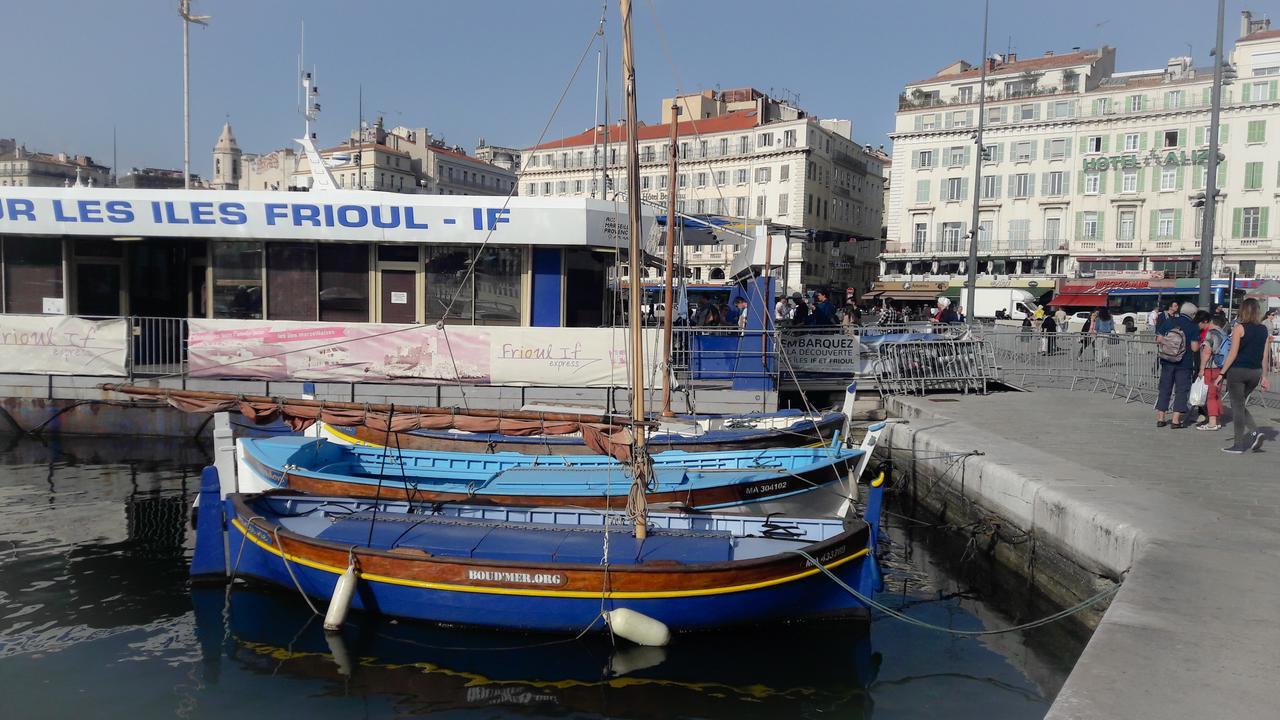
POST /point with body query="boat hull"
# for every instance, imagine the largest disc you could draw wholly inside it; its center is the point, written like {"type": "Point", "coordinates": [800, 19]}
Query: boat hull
{"type": "Point", "coordinates": [798, 434]}
{"type": "Point", "coordinates": [551, 597]}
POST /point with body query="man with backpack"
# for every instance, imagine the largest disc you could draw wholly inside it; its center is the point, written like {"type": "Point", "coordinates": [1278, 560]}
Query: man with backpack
{"type": "Point", "coordinates": [1177, 343]}
{"type": "Point", "coordinates": [1213, 352]}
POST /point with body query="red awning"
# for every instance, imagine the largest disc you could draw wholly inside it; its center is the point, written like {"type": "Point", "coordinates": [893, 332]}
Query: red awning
{"type": "Point", "coordinates": [1079, 300]}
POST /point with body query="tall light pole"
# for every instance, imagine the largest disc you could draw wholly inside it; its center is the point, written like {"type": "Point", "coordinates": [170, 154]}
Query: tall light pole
{"type": "Point", "coordinates": [972, 282]}
{"type": "Point", "coordinates": [1211, 179]}
{"type": "Point", "coordinates": [184, 11]}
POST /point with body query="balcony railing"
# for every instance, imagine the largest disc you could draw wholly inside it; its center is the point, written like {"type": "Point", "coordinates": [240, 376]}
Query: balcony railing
{"type": "Point", "coordinates": [985, 247]}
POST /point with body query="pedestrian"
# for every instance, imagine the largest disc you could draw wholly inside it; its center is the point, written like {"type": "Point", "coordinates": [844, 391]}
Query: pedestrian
{"type": "Point", "coordinates": [1104, 329]}
{"type": "Point", "coordinates": [1085, 332]}
{"type": "Point", "coordinates": [704, 306]}
{"type": "Point", "coordinates": [800, 315]}
{"type": "Point", "coordinates": [824, 313]}
{"type": "Point", "coordinates": [1049, 331]}
{"type": "Point", "coordinates": [945, 315]}
{"type": "Point", "coordinates": [1242, 373]}
{"type": "Point", "coordinates": [1060, 317]}
{"type": "Point", "coordinates": [781, 311]}
{"type": "Point", "coordinates": [709, 314]}
{"type": "Point", "coordinates": [1213, 349]}
{"type": "Point", "coordinates": [1165, 318]}
{"type": "Point", "coordinates": [740, 316]}
{"type": "Point", "coordinates": [1038, 315]}
{"type": "Point", "coordinates": [1177, 343]}
{"type": "Point", "coordinates": [850, 314]}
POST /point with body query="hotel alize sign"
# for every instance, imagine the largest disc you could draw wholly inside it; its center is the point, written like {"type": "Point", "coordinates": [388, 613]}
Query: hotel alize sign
{"type": "Point", "coordinates": [1153, 158]}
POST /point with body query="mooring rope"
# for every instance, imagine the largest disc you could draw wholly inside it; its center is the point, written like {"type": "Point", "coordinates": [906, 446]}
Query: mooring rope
{"type": "Point", "coordinates": [968, 633]}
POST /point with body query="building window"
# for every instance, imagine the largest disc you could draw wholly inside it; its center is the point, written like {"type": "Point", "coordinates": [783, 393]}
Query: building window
{"type": "Point", "coordinates": [577, 186]}
{"type": "Point", "coordinates": [682, 180]}
{"type": "Point", "coordinates": [1133, 103]}
{"type": "Point", "coordinates": [1027, 112]}
{"type": "Point", "coordinates": [741, 178]}
{"type": "Point", "coordinates": [956, 156]}
{"type": "Point", "coordinates": [765, 140]}
{"type": "Point", "coordinates": [1102, 106]}
{"type": "Point", "coordinates": [789, 138]}
{"type": "Point", "coordinates": [1249, 222]}
{"type": "Point", "coordinates": [995, 115]}
{"type": "Point", "coordinates": [702, 148]}
{"type": "Point", "coordinates": [1199, 223]}
{"type": "Point", "coordinates": [1089, 226]}
{"type": "Point", "coordinates": [1022, 185]}
{"type": "Point", "coordinates": [700, 206]}
{"type": "Point", "coordinates": [960, 118]}
{"type": "Point", "coordinates": [1257, 131]}
{"type": "Point", "coordinates": [744, 143]}
{"type": "Point", "coordinates": [1168, 179]}
{"type": "Point", "coordinates": [1131, 142]}
{"type": "Point", "coordinates": [929, 121]}
{"type": "Point", "coordinates": [990, 186]}
{"type": "Point", "coordinates": [530, 189]}
{"type": "Point", "coordinates": [1164, 224]}
{"type": "Point", "coordinates": [662, 183]}
{"type": "Point", "coordinates": [924, 159]}
{"type": "Point", "coordinates": [741, 207]}
{"type": "Point", "coordinates": [1129, 181]}
{"type": "Point", "coordinates": [1127, 226]}
{"type": "Point", "coordinates": [1023, 151]}
{"type": "Point", "coordinates": [546, 188]}
{"type": "Point", "coordinates": [951, 235]}
{"type": "Point", "coordinates": [1253, 176]}
{"type": "Point", "coordinates": [920, 238]}
{"type": "Point", "coordinates": [1053, 229]}
{"type": "Point", "coordinates": [922, 191]}
{"type": "Point", "coordinates": [782, 204]}
{"type": "Point", "coordinates": [965, 94]}
{"type": "Point", "coordinates": [1055, 183]}
{"type": "Point", "coordinates": [784, 172]}
{"type": "Point", "coordinates": [1019, 234]}
{"type": "Point", "coordinates": [762, 175]}
{"type": "Point", "coordinates": [702, 179]}
{"type": "Point", "coordinates": [563, 186]}
{"type": "Point", "coordinates": [645, 182]}
{"type": "Point", "coordinates": [761, 206]}
{"type": "Point", "coordinates": [1058, 148]}
{"type": "Point", "coordinates": [33, 271]}
{"type": "Point", "coordinates": [955, 187]}
{"type": "Point", "coordinates": [1093, 144]}
{"type": "Point", "coordinates": [1171, 138]}
{"type": "Point", "coordinates": [1173, 99]}
{"type": "Point", "coordinates": [722, 177]}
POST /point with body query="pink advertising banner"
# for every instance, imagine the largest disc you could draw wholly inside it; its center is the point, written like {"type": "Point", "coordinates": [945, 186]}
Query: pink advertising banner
{"type": "Point", "coordinates": [356, 352]}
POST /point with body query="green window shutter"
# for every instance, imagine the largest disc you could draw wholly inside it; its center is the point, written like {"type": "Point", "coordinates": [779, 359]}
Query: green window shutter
{"type": "Point", "coordinates": [1155, 224]}
{"type": "Point", "coordinates": [1182, 138]}
{"type": "Point", "coordinates": [1079, 225]}
{"type": "Point", "coordinates": [1244, 92]}
{"type": "Point", "coordinates": [964, 188]}
{"type": "Point", "coordinates": [1197, 182]}
{"type": "Point", "coordinates": [1177, 224]}
{"type": "Point", "coordinates": [1142, 175]}
{"type": "Point", "coordinates": [1106, 143]}
{"type": "Point", "coordinates": [1066, 149]}
{"type": "Point", "coordinates": [1236, 216]}
{"type": "Point", "coordinates": [1272, 96]}
{"type": "Point", "coordinates": [1199, 135]}
{"type": "Point", "coordinates": [1262, 222]}
{"type": "Point", "coordinates": [1221, 180]}
{"type": "Point", "coordinates": [1119, 141]}
{"type": "Point", "coordinates": [1084, 145]}
{"type": "Point", "coordinates": [1102, 224]}
{"type": "Point", "coordinates": [1102, 183]}
{"type": "Point", "coordinates": [1044, 184]}
{"type": "Point", "coordinates": [1177, 181]}
{"type": "Point", "coordinates": [1223, 134]}
{"type": "Point", "coordinates": [1080, 184]}
{"type": "Point", "coordinates": [1066, 182]}
{"type": "Point", "coordinates": [1031, 184]}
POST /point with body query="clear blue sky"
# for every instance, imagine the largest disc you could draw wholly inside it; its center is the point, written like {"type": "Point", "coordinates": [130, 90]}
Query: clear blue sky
{"type": "Point", "coordinates": [494, 68]}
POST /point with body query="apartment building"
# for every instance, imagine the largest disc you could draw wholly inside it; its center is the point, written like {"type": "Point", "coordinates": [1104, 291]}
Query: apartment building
{"type": "Point", "coordinates": [1086, 171]}
{"type": "Point", "coordinates": [20, 167]}
{"type": "Point", "coordinates": [745, 156]}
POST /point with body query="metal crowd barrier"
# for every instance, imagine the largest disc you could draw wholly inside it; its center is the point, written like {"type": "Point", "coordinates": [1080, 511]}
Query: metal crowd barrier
{"type": "Point", "coordinates": [914, 368]}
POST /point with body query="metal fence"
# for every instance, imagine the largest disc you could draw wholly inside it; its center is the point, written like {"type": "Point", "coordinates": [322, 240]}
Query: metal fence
{"type": "Point", "coordinates": [1123, 365]}
{"type": "Point", "coordinates": [914, 368]}
{"type": "Point", "coordinates": [157, 346]}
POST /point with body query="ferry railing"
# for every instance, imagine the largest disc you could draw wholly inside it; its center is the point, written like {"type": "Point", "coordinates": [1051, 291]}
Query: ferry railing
{"type": "Point", "coordinates": [158, 346]}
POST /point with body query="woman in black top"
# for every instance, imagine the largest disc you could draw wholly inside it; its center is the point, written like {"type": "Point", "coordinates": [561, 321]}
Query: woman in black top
{"type": "Point", "coordinates": [1242, 371]}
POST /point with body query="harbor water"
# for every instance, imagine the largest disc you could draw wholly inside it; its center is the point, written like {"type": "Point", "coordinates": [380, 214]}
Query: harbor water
{"type": "Point", "coordinates": [98, 619]}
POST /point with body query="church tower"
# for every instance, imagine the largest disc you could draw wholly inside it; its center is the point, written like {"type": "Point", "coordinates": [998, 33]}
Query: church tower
{"type": "Point", "coordinates": [226, 161]}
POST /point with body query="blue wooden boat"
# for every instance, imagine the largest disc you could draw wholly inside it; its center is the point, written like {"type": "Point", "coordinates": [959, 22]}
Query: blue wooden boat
{"type": "Point", "coordinates": [540, 569]}
{"type": "Point", "coordinates": [797, 481]}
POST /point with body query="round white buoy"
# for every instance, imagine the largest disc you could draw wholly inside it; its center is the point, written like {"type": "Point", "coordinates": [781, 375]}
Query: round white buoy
{"type": "Point", "coordinates": [341, 600]}
{"type": "Point", "coordinates": [637, 627]}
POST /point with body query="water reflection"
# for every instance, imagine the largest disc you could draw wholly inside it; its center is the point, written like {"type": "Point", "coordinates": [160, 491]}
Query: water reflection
{"type": "Point", "coordinates": [97, 618]}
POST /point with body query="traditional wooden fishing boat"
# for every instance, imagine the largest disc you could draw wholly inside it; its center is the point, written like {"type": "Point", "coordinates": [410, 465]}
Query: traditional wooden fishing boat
{"type": "Point", "coordinates": [548, 569]}
{"type": "Point", "coordinates": [700, 433]}
{"type": "Point", "coordinates": [794, 481]}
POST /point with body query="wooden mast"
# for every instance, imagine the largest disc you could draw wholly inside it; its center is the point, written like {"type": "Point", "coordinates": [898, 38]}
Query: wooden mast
{"type": "Point", "coordinates": [635, 361]}
{"type": "Point", "coordinates": [670, 251]}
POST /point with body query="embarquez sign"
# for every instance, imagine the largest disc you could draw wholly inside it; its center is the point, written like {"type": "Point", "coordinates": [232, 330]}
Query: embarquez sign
{"type": "Point", "coordinates": [822, 352]}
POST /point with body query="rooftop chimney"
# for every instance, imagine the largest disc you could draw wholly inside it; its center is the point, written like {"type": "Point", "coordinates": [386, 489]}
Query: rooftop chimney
{"type": "Point", "coordinates": [1048, 53]}
{"type": "Point", "coordinates": [1011, 58]}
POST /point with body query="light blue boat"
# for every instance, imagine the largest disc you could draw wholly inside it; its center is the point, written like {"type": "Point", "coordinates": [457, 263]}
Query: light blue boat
{"type": "Point", "coordinates": [813, 482]}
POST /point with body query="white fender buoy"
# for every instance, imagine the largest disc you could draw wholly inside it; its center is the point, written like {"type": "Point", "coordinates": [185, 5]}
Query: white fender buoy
{"type": "Point", "coordinates": [338, 649]}
{"type": "Point", "coordinates": [341, 600]}
{"type": "Point", "coordinates": [637, 627]}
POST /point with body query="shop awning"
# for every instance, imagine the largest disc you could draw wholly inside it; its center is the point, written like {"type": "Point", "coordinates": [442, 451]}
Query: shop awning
{"type": "Point", "coordinates": [1079, 300]}
{"type": "Point", "coordinates": [925, 295]}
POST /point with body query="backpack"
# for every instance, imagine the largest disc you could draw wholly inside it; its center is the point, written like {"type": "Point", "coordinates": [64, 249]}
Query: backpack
{"type": "Point", "coordinates": [1172, 346]}
{"type": "Point", "coordinates": [1224, 347]}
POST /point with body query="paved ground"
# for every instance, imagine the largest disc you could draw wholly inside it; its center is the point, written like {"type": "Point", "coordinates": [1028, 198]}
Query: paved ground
{"type": "Point", "coordinates": [1195, 632]}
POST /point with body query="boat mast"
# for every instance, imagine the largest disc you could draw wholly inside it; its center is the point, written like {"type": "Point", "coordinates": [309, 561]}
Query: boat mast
{"type": "Point", "coordinates": [670, 255]}
{"type": "Point", "coordinates": [636, 504]}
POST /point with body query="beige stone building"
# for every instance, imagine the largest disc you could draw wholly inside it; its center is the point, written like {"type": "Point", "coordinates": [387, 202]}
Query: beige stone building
{"type": "Point", "coordinates": [746, 157]}
{"type": "Point", "coordinates": [20, 167]}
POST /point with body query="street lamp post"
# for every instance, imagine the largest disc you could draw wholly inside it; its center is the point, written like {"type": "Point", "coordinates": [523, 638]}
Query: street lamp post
{"type": "Point", "coordinates": [972, 282]}
{"type": "Point", "coordinates": [1211, 172]}
{"type": "Point", "coordinates": [184, 11]}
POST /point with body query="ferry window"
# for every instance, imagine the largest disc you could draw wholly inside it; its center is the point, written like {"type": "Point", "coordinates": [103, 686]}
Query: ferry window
{"type": "Point", "coordinates": [344, 282]}
{"type": "Point", "coordinates": [446, 270]}
{"type": "Point", "coordinates": [237, 279]}
{"type": "Point", "coordinates": [291, 281]}
{"type": "Point", "coordinates": [398, 253]}
{"type": "Point", "coordinates": [32, 272]}
{"type": "Point", "coordinates": [498, 271]}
